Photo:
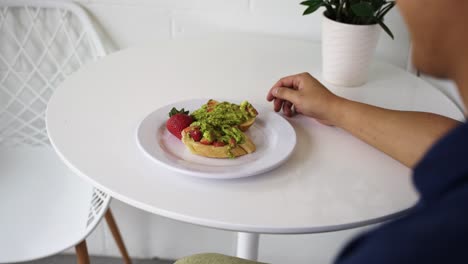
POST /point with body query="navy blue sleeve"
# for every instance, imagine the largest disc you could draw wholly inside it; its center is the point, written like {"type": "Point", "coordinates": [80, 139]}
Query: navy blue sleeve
{"type": "Point", "coordinates": [436, 230]}
{"type": "Point", "coordinates": [438, 234]}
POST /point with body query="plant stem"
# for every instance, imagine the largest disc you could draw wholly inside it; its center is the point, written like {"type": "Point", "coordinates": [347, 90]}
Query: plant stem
{"type": "Point", "coordinates": [340, 8]}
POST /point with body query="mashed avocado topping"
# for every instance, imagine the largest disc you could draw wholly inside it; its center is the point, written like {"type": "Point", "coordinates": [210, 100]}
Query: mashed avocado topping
{"type": "Point", "coordinates": [219, 121]}
{"type": "Point", "coordinates": [225, 113]}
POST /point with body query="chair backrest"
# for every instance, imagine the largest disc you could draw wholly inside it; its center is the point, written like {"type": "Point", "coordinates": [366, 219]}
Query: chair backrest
{"type": "Point", "coordinates": [41, 42]}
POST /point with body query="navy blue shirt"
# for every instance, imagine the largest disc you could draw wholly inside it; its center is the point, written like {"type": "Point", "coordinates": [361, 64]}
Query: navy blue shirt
{"type": "Point", "coordinates": [436, 230]}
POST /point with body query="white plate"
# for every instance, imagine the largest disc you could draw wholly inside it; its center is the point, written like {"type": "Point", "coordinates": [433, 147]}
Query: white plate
{"type": "Point", "coordinates": [273, 136]}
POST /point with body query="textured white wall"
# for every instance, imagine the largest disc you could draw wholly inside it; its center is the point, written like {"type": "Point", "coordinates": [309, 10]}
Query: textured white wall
{"type": "Point", "coordinates": [132, 22]}
{"type": "Point", "coordinates": [149, 236]}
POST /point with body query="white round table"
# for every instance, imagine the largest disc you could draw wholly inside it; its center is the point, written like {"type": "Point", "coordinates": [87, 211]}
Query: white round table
{"type": "Point", "coordinates": [332, 181]}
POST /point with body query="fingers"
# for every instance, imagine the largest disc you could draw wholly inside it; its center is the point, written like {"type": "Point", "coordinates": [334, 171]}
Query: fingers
{"type": "Point", "coordinates": [277, 104]}
{"type": "Point", "coordinates": [286, 94]}
{"type": "Point", "coordinates": [287, 109]}
{"type": "Point", "coordinates": [288, 81]}
{"type": "Point", "coordinates": [292, 81]}
{"type": "Point", "coordinates": [270, 95]}
{"type": "Point", "coordinates": [287, 106]}
{"type": "Point", "coordinates": [296, 110]}
{"type": "Point", "coordinates": [283, 82]}
{"type": "Point", "coordinates": [283, 98]}
{"type": "Point", "coordinates": [282, 93]}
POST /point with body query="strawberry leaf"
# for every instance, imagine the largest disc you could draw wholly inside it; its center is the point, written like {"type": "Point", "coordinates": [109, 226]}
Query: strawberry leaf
{"type": "Point", "coordinates": [174, 111]}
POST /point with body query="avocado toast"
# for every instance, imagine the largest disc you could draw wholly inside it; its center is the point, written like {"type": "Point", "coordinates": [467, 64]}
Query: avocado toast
{"type": "Point", "coordinates": [218, 130]}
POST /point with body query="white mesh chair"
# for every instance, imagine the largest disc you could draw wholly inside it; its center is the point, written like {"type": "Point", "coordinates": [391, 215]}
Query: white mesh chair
{"type": "Point", "coordinates": [44, 208]}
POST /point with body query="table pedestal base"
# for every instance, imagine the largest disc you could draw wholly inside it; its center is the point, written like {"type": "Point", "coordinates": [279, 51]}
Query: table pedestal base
{"type": "Point", "coordinates": [247, 245]}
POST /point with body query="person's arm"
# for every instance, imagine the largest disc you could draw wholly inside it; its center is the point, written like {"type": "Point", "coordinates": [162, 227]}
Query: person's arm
{"type": "Point", "coordinates": [404, 135]}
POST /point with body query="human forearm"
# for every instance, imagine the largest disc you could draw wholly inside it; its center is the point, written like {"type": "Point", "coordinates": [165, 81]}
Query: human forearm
{"type": "Point", "coordinates": [404, 135]}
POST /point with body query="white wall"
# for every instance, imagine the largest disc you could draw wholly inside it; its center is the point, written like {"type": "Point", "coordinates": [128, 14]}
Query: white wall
{"type": "Point", "coordinates": [132, 22]}
{"type": "Point", "coordinates": [149, 236]}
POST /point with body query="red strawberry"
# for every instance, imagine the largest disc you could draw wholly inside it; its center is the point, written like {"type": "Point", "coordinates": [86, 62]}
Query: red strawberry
{"type": "Point", "coordinates": [218, 144]}
{"type": "Point", "coordinates": [232, 142]}
{"type": "Point", "coordinates": [196, 134]}
{"type": "Point", "coordinates": [205, 141]}
{"type": "Point", "coordinates": [178, 120]}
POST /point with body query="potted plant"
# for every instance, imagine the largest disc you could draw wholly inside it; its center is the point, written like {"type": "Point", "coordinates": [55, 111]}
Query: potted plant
{"type": "Point", "coordinates": [350, 31]}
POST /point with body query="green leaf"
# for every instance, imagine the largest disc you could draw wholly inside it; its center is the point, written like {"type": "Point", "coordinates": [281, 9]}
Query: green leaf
{"type": "Point", "coordinates": [330, 13]}
{"type": "Point", "coordinates": [312, 8]}
{"type": "Point", "coordinates": [385, 10]}
{"type": "Point", "coordinates": [377, 4]}
{"type": "Point", "coordinates": [310, 2]}
{"type": "Point", "coordinates": [363, 9]}
{"type": "Point", "coordinates": [381, 23]}
{"type": "Point", "coordinates": [174, 111]}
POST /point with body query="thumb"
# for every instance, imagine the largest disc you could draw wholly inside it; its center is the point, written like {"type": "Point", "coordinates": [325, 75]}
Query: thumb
{"type": "Point", "coordinates": [287, 94]}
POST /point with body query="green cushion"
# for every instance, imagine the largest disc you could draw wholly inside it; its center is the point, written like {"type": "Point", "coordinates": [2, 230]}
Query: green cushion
{"type": "Point", "coordinates": [213, 258]}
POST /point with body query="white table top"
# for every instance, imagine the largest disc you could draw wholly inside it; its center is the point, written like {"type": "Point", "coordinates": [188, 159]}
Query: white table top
{"type": "Point", "coordinates": [332, 180]}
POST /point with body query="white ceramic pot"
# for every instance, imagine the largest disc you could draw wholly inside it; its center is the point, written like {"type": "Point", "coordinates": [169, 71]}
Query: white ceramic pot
{"type": "Point", "coordinates": [347, 51]}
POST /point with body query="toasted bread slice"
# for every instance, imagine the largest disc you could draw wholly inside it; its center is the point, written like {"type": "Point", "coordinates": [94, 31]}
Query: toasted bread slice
{"type": "Point", "coordinates": [223, 152]}
{"type": "Point", "coordinates": [211, 104]}
{"type": "Point", "coordinates": [244, 126]}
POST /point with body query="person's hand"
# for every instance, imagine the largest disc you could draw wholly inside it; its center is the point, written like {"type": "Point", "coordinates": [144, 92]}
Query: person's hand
{"type": "Point", "coordinates": [302, 93]}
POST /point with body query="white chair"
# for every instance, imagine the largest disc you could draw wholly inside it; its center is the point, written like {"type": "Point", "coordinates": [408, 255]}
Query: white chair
{"type": "Point", "coordinates": [44, 208]}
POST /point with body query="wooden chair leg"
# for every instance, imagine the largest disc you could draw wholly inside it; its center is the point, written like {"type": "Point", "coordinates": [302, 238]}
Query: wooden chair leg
{"type": "Point", "coordinates": [82, 253]}
{"type": "Point", "coordinates": [118, 238]}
